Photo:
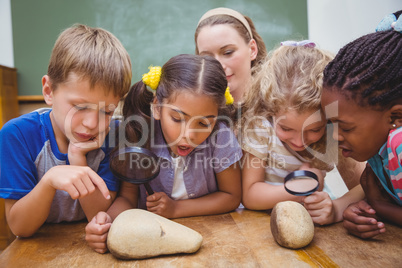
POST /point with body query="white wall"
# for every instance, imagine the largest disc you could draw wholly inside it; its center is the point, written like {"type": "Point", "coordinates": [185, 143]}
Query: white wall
{"type": "Point", "coordinates": [334, 23]}
{"type": "Point", "coordinates": [6, 40]}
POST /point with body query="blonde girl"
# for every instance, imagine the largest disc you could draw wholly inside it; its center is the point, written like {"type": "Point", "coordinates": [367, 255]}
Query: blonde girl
{"type": "Point", "coordinates": [284, 129]}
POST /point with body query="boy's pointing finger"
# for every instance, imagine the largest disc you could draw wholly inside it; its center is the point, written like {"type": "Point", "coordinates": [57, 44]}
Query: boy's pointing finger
{"type": "Point", "coordinates": [99, 182]}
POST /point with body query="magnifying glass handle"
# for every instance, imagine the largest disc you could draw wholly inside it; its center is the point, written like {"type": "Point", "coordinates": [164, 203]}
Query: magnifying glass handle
{"type": "Point", "coordinates": [148, 188]}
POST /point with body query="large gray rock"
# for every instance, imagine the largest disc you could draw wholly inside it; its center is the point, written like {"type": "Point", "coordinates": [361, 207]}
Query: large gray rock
{"type": "Point", "coordinates": [291, 225]}
{"type": "Point", "coordinates": [139, 234]}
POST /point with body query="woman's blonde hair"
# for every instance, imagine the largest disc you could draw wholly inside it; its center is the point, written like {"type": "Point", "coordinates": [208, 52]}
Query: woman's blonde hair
{"type": "Point", "coordinates": [290, 78]}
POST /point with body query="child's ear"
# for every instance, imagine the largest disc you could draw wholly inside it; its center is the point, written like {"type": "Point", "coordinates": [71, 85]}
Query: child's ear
{"type": "Point", "coordinates": [396, 115]}
{"type": "Point", "coordinates": [253, 49]}
{"type": "Point", "coordinates": [47, 90]}
{"type": "Point", "coordinates": [156, 109]}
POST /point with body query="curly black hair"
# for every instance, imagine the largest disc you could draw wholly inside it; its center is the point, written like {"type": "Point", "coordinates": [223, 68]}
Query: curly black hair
{"type": "Point", "coordinates": [369, 69]}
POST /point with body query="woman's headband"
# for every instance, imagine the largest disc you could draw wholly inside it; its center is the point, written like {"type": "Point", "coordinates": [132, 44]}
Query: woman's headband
{"type": "Point", "coordinates": [229, 12]}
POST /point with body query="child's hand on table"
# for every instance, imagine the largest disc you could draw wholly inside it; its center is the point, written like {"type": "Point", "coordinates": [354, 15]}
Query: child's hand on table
{"type": "Point", "coordinates": [97, 230]}
{"type": "Point", "coordinates": [360, 220]}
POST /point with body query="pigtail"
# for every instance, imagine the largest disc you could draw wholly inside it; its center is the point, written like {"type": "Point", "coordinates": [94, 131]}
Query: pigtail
{"type": "Point", "coordinates": [137, 104]}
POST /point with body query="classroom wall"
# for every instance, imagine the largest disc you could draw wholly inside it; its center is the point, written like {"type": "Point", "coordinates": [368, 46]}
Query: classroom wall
{"type": "Point", "coordinates": [334, 23]}
{"type": "Point", "coordinates": [327, 20]}
{"type": "Point", "coordinates": [6, 38]}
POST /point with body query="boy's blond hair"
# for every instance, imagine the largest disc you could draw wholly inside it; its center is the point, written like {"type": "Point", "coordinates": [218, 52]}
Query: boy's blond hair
{"type": "Point", "coordinates": [290, 78]}
{"type": "Point", "coordinates": [94, 54]}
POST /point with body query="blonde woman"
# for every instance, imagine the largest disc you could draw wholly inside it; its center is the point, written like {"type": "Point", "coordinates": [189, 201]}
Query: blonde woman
{"type": "Point", "coordinates": [284, 129]}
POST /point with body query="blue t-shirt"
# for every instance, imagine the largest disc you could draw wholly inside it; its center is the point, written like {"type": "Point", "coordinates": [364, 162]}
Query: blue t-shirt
{"type": "Point", "coordinates": [218, 152]}
{"type": "Point", "coordinates": [28, 149]}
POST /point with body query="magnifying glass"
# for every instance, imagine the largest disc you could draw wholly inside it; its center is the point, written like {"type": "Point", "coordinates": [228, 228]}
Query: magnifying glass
{"type": "Point", "coordinates": [135, 165]}
{"type": "Point", "coordinates": [301, 182]}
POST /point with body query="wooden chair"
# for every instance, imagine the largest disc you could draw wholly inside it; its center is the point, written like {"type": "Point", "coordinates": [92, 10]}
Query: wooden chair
{"type": "Point", "coordinates": [6, 237]}
{"type": "Point", "coordinates": [8, 110]}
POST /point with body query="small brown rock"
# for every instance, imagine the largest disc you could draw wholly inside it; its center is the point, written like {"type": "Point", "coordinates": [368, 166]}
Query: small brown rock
{"type": "Point", "coordinates": [139, 234]}
{"type": "Point", "coordinates": [291, 225]}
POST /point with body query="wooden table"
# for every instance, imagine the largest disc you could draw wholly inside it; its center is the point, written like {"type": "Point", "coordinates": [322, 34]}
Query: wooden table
{"type": "Point", "coordinates": [239, 239]}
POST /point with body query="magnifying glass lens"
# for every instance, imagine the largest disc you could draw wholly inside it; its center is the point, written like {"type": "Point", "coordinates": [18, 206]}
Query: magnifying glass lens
{"type": "Point", "coordinates": [301, 182]}
{"type": "Point", "coordinates": [135, 165]}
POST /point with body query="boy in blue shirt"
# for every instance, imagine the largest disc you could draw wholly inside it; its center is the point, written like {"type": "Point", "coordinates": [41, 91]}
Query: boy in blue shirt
{"type": "Point", "coordinates": [54, 163]}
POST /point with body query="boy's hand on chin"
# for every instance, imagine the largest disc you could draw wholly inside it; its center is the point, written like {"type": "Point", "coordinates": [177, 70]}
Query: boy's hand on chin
{"type": "Point", "coordinates": [77, 151]}
{"type": "Point", "coordinates": [76, 148]}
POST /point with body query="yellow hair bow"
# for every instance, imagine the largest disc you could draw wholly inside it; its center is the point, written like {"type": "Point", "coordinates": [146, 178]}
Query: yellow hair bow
{"type": "Point", "coordinates": [229, 97]}
{"type": "Point", "coordinates": [153, 77]}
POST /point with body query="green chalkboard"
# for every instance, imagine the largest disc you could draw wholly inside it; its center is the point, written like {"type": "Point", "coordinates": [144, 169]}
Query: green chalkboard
{"type": "Point", "coordinates": [152, 31]}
